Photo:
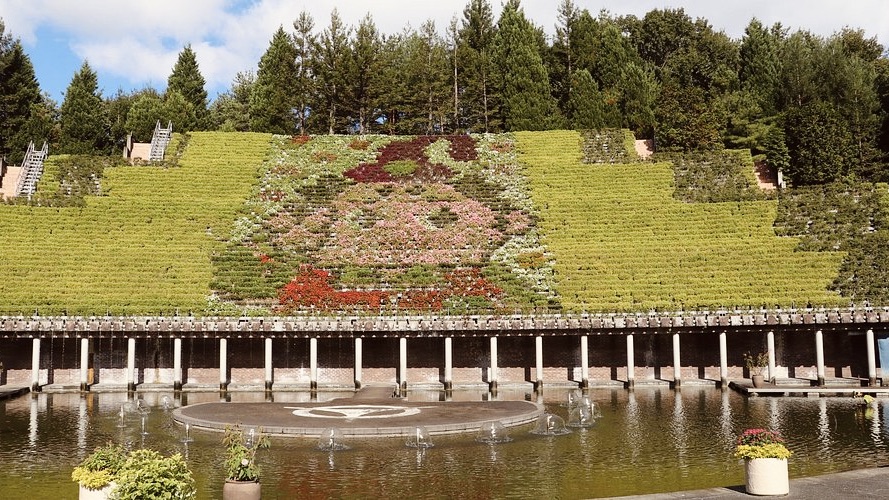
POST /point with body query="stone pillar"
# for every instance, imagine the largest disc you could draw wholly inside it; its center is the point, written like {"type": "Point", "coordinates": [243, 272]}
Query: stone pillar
{"type": "Point", "coordinates": [402, 366]}
{"type": "Point", "coordinates": [269, 369]}
{"type": "Point", "coordinates": [819, 356]}
{"type": "Point", "coordinates": [35, 365]}
{"type": "Point", "coordinates": [631, 363]}
{"type": "Point", "coordinates": [677, 362]}
{"type": "Point", "coordinates": [723, 361]}
{"type": "Point", "coordinates": [358, 363]}
{"type": "Point", "coordinates": [177, 364]}
{"type": "Point", "coordinates": [584, 362]}
{"type": "Point", "coordinates": [131, 364]}
{"type": "Point", "coordinates": [223, 364]}
{"type": "Point", "coordinates": [449, 364]}
{"type": "Point", "coordinates": [770, 346]}
{"type": "Point", "coordinates": [313, 364]}
{"type": "Point", "coordinates": [538, 377]}
{"type": "Point", "coordinates": [871, 359]}
{"type": "Point", "coordinates": [84, 364]}
{"type": "Point", "coordinates": [493, 376]}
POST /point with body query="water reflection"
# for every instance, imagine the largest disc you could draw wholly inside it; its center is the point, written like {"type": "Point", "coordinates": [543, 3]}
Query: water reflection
{"type": "Point", "coordinates": [670, 435]}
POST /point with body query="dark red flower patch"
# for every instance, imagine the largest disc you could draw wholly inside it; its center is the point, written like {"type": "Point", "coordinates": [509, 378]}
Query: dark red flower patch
{"type": "Point", "coordinates": [299, 140]}
{"type": "Point", "coordinates": [462, 149]}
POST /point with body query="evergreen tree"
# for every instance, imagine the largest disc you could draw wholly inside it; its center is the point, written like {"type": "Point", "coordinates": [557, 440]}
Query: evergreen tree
{"type": "Point", "coordinates": [475, 51]}
{"type": "Point", "coordinates": [330, 67]}
{"type": "Point", "coordinates": [686, 121]}
{"type": "Point", "coordinates": [527, 103]}
{"type": "Point", "coordinates": [142, 117]}
{"type": "Point", "coordinates": [585, 102]}
{"type": "Point", "coordinates": [19, 96]}
{"type": "Point", "coordinates": [364, 67]}
{"type": "Point", "coordinates": [561, 63]}
{"type": "Point", "coordinates": [118, 107]}
{"type": "Point", "coordinates": [273, 98]}
{"type": "Point", "coordinates": [186, 79]}
{"type": "Point", "coordinates": [83, 119]}
{"type": "Point", "coordinates": [760, 65]}
{"type": "Point", "coordinates": [819, 143]}
{"type": "Point", "coordinates": [638, 97]}
{"type": "Point", "coordinates": [304, 42]}
{"type": "Point", "coordinates": [230, 112]}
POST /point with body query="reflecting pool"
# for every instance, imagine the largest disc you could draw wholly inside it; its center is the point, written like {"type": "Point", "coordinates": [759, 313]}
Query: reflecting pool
{"type": "Point", "coordinates": [646, 441]}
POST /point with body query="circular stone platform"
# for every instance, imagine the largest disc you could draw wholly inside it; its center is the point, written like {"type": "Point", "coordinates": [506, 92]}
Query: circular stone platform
{"type": "Point", "coordinates": [360, 418]}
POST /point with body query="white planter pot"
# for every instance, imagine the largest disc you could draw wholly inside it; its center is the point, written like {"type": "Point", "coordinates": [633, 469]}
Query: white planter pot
{"type": "Point", "coordinates": [100, 494]}
{"type": "Point", "coordinates": [767, 476]}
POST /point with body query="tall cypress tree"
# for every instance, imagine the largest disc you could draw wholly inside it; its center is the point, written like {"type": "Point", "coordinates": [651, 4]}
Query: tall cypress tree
{"type": "Point", "coordinates": [585, 102]}
{"type": "Point", "coordinates": [273, 98]}
{"type": "Point", "coordinates": [19, 96]}
{"type": "Point", "coordinates": [83, 121]}
{"type": "Point", "coordinates": [186, 79]}
{"type": "Point", "coordinates": [527, 103]}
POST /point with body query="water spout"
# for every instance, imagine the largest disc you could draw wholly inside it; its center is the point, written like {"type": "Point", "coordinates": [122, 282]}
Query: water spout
{"type": "Point", "coordinates": [493, 432]}
{"type": "Point", "coordinates": [331, 440]}
{"type": "Point", "coordinates": [187, 438]}
{"type": "Point", "coordinates": [419, 439]}
{"type": "Point", "coordinates": [550, 425]}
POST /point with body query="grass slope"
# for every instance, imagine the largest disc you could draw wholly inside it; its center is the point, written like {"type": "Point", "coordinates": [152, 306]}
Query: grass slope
{"type": "Point", "coordinates": [623, 243]}
{"type": "Point", "coordinates": [143, 248]}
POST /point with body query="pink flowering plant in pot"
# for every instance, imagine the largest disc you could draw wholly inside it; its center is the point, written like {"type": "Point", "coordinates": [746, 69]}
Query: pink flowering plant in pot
{"type": "Point", "coordinates": [761, 443]}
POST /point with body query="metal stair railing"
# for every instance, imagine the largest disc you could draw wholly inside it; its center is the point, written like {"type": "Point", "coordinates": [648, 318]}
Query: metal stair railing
{"type": "Point", "coordinates": [159, 141]}
{"type": "Point", "coordinates": [32, 170]}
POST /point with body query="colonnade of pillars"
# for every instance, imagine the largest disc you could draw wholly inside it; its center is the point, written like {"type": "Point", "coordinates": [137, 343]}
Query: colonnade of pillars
{"type": "Point", "coordinates": [493, 372]}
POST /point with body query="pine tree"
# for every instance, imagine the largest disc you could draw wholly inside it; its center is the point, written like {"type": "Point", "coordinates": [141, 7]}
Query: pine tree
{"type": "Point", "coordinates": [83, 120]}
{"type": "Point", "coordinates": [230, 111]}
{"type": "Point", "coordinates": [364, 66]}
{"type": "Point", "coordinates": [186, 79]}
{"type": "Point", "coordinates": [19, 96]}
{"type": "Point", "coordinates": [304, 42]}
{"type": "Point", "coordinates": [330, 65]}
{"type": "Point", "coordinates": [585, 102]}
{"type": "Point", "coordinates": [273, 97]}
{"type": "Point", "coordinates": [562, 60]}
{"type": "Point", "coordinates": [527, 103]}
{"type": "Point", "coordinates": [475, 52]}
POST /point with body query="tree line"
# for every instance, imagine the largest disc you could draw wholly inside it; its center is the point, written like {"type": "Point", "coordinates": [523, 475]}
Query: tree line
{"type": "Point", "coordinates": [814, 106]}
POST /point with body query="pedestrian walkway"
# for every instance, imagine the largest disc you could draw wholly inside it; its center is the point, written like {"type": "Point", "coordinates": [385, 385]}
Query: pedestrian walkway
{"type": "Point", "coordinates": [857, 484]}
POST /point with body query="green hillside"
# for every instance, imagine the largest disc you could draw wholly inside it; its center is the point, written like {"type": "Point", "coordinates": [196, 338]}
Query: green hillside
{"type": "Point", "coordinates": [623, 243]}
{"type": "Point", "coordinates": [251, 224]}
{"type": "Point", "coordinates": [142, 248]}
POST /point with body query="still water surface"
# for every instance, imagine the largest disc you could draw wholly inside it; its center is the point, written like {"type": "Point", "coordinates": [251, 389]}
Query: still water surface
{"type": "Point", "coordinates": [648, 440]}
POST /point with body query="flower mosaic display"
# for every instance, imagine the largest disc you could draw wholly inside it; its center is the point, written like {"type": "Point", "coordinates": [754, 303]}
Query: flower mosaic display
{"type": "Point", "coordinates": [378, 224]}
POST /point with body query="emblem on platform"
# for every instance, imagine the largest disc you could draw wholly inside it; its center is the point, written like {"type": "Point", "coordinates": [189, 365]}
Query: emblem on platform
{"type": "Point", "coordinates": [355, 412]}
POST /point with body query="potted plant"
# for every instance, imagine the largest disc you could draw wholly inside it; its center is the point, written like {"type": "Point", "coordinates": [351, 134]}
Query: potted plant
{"type": "Point", "coordinates": [756, 363]}
{"type": "Point", "coordinates": [148, 474]}
{"type": "Point", "coordinates": [241, 470]}
{"type": "Point", "coordinates": [97, 472]}
{"type": "Point", "coordinates": [765, 462]}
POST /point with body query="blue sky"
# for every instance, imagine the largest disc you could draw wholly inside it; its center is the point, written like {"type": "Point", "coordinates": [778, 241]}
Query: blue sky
{"type": "Point", "coordinates": [132, 45]}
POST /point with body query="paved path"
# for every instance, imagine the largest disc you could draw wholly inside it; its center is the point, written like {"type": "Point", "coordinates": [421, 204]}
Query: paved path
{"type": "Point", "coordinates": [857, 484]}
{"type": "Point", "coordinates": [360, 417]}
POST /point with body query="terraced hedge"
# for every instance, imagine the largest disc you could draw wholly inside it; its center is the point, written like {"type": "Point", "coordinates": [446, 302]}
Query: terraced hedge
{"type": "Point", "coordinates": [143, 247]}
{"type": "Point", "coordinates": [251, 224]}
{"type": "Point", "coordinates": [623, 243]}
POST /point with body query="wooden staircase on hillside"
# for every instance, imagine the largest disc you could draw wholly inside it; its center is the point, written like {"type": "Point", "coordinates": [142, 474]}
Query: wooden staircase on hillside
{"type": "Point", "coordinates": [31, 170]}
{"type": "Point", "coordinates": [159, 141]}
